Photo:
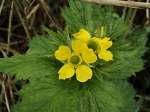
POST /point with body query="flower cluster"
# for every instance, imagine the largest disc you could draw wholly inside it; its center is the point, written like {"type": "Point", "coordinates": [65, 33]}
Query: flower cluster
{"type": "Point", "coordinates": [85, 51]}
{"type": "Point", "coordinates": [98, 45]}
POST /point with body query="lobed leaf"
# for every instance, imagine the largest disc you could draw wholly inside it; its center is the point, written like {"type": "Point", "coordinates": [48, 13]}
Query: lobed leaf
{"type": "Point", "coordinates": [127, 60]}
{"type": "Point", "coordinates": [128, 93]}
{"type": "Point", "coordinates": [52, 95]}
{"type": "Point", "coordinates": [92, 17]}
{"type": "Point", "coordinates": [29, 66]}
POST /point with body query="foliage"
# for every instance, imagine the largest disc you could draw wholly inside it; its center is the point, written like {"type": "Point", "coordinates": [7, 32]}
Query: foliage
{"type": "Point", "coordinates": [92, 17]}
{"type": "Point", "coordinates": [125, 51]}
{"type": "Point", "coordinates": [49, 94]}
{"type": "Point", "coordinates": [45, 92]}
{"type": "Point", "coordinates": [128, 93]}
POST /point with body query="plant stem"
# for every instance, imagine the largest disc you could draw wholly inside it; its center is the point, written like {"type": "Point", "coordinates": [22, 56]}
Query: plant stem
{"type": "Point", "coordinates": [131, 4]}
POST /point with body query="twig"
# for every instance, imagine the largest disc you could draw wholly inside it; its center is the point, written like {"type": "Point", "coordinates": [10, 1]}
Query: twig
{"type": "Point", "coordinates": [13, 43]}
{"type": "Point", "coordinates": [3, 29]}
{"type": "Point", "coordinates": [3, 52]}
{"type": "Point", "coordinates": [1, 7]}
{"type": "Point", "coordinates": [22, 21]}
{"type": "Point", "coordinates": [140, 96]}
{"type": "Point", "coordinates": [18, 36]}
{"type": "Point", "coordinates": [31, 4]}
{"type": "Point", "coordinates": [5, 95]}
{"type": "Point", "coordinates": [10, 50]}
{"type": "Point", "coordinates": [131, 4]}
{"type": "Point", "coordinates": [44, 5]}
{"type": "Point", "coordinates": [133, 16]}
{"type": "Point", "coordinates": [10, 25]}
{"type": "Point", "coordinates": [9, 82]}
{"type": "Point", "coordinates": [125, 8]}
{"type": "Point", "coordinates": [33, 11]}
{"type": "Point", "coordinates": [147, 16]}
{"type": "Point", "coordinates": [147, 13]}
{"type": "Point", "coordinates": [32, 22]}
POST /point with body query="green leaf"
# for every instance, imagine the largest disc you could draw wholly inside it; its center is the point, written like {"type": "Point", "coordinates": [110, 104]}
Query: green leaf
{"type": "Point", "coordinates": [57, 39]}
{"type": "Point", "coordinates": [128, 92]}
{"type": "Point", "coordinates": [52, 95]}
{"type": "Point", "coordinates": [40, 44]}
{"type": "Point", "coordinates": [131, 47]}
{"type": "Point", "coordinates": [29, 66]}
{"type": "Point", "coordinates": [120, 69]}
{"type": "Point", "coordinates": [100, 97]}
{"type": "Point", "coordinates": [127, 54]}
{"type": "Point", "coordinates": [48, 44]}
{"type": "Point", "coordinates": [92, 17]}
{"type": "Point", "coordinates": [118, 27]}
{"type": "Point", "coordinates": [83, 15]}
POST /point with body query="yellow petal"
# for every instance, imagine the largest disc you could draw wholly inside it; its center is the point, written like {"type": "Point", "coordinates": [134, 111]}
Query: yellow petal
{"type": "Point", "coordinates": [105, 43]}
{"type": "Point", "coordinates": [66, 71]}
{"type": "Point", "coordinates": [63, 53]}
{"type": "Point", "coordinates": [82, 35]}
{"type": "Point", "coordinates": [105, 55]}
{"type": "Point", "coordinates": [89, 56]}
{"type": "Point", "coordinates": [78, 46]}
{"type": "Point", "coordinates": [83, 73]}
{"type": "Point", "coordinates": [96, 39]}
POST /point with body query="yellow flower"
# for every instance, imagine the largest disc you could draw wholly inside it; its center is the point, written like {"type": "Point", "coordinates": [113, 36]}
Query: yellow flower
{"type": "Point", "coordinates": [98, 45]}
{"type": "Point", "coordinates": [76, 62]}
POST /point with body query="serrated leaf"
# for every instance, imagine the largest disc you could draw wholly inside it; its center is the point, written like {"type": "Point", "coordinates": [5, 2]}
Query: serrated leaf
{"type": "Point", "coordinates": [127, 57]}
{"type": "Point", "coordinates": [100, 97]}
{"type": "Point", "coordinates": [52, 95]}
{"type": "Point", "coordinates": [40, 44]}
{"type": "Point", "coordinates": [29, 66]}
{"type": "Point", "coordinates": [48, 44]}
{"type": "Point", "coordinates": [133, 46]}
{"type": "Point", "coordinates": [129, 94]}
{"type": "Point", "coordinates": [56, 38]}
{"type": "Point", "coordinates": [82, 15]}
{"type": "Point", "coordinates": [92, 17]}
{"type": "Point", "coordinates": [120, 69]}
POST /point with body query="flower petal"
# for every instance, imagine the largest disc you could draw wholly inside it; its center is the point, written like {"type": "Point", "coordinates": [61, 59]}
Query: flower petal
{"type": "Point", "coordinates": [63, 53]}
{"type": "Point", "coordinates": [66, 71]}
{"type": "Point", "coordinates": [105, 43]}
{"type": "Point", "coordinates": [78, 46]}
{"type": "Point", "coordinates": [83, 73]}
{"type": "Point", "coordinates": [105, 55]}
{"type": "Point", "coordinates": [82, 35]}
{"type": "Point", "coordinates": [89, 56]}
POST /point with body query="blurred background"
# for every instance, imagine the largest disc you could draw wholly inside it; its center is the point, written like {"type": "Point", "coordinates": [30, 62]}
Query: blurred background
{"type": "Point", "coordinates": [21, 20]}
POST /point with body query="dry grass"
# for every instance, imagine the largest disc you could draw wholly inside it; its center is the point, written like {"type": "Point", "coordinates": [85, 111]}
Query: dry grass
{"type": "Point", "coordinates": [19, 22]}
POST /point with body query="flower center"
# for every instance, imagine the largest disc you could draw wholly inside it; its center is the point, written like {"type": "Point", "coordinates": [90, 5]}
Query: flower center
{"type": "Point", "coordinates": [93, 45]}
{"type": "Point", "coordinates": [75, 59]}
